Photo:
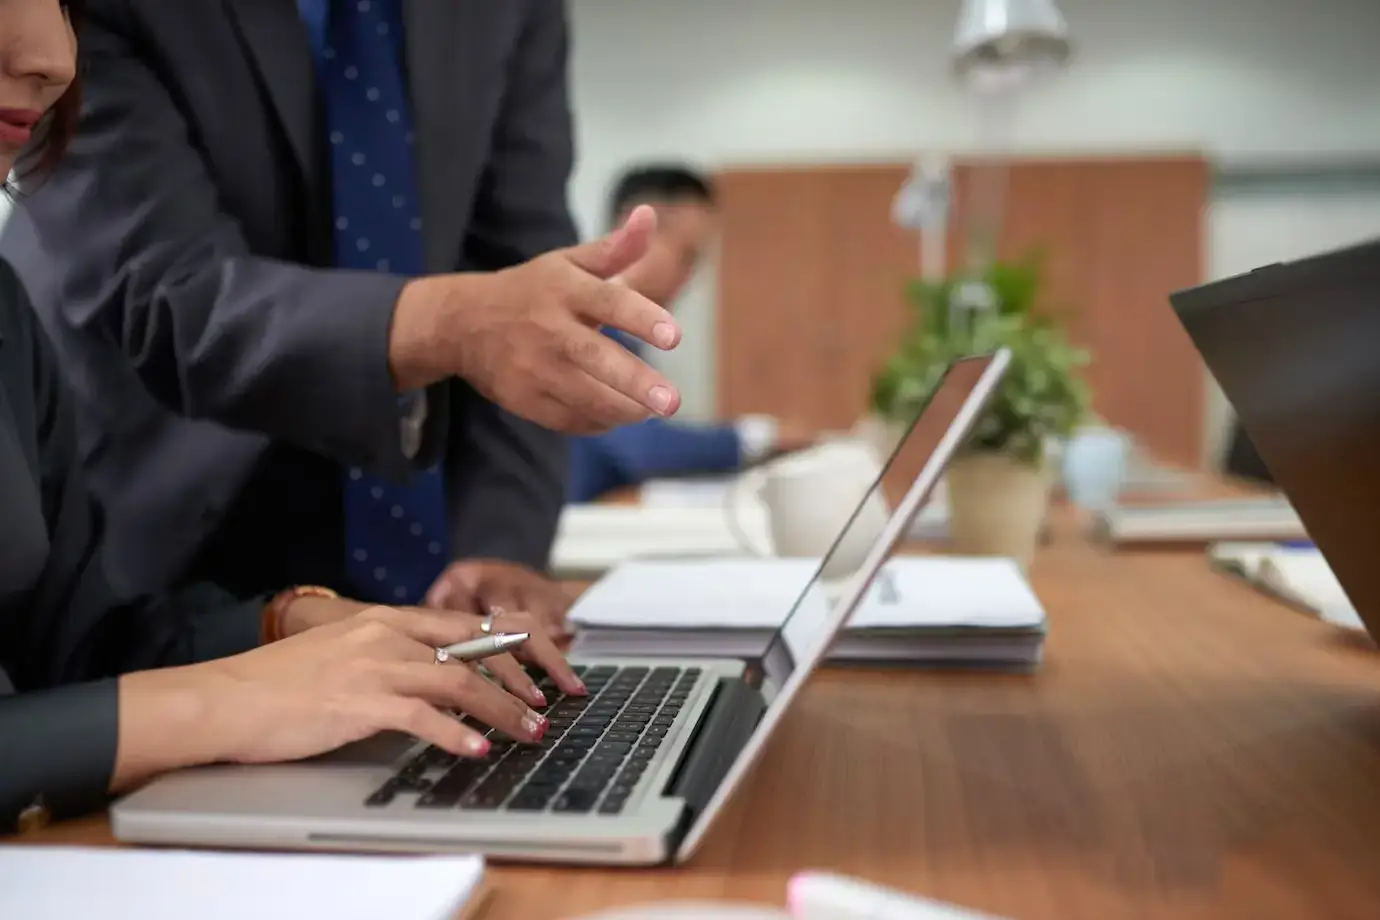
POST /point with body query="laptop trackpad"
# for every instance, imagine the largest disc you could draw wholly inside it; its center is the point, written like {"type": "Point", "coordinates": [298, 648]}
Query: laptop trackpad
{"type": "Point", "coordinates": [380, 750]}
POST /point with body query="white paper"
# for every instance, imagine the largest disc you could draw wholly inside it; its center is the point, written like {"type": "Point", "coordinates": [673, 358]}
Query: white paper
{"type": "Point", "coordinates": [1346, 617]}
{"type": "Point", "coordinates": [66, 883]}
{"type": "Point", "coordinates": [1303, 576]}
{"type": "Point", "coordinates": [708, 594]}
{"type": "Point", "coordinates": [919, 592]}
{"type": "Point", "coordinates": [711, 492]}
{"type": "Point", "coordinates": [596, 538]}
{"type": "Point", "coordinates": [910, 592]}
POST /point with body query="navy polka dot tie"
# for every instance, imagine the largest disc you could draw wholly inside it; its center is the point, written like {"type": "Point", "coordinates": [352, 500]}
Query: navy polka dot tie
{"type": "Point", "coordinates": [396, 533]}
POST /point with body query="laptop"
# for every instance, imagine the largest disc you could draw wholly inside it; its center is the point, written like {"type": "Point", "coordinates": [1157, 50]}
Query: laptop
{"type": "Point", "coordinates": [1296, 349]}
{"type": "Point", "coordinates": [634, 774]}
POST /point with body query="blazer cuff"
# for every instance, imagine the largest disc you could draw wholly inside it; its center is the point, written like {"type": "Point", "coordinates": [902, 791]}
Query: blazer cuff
{"type": "Point", "coordinates": [60, 749]}
{"type": "Point", "coordinates": [230, 631]}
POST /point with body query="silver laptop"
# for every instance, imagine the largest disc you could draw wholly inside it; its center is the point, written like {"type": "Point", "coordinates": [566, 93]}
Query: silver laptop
{"type": "Point", "coordinates": [635, 773]}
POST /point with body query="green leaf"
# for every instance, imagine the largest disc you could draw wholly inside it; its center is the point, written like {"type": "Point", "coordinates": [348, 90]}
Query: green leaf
{"type": "Point", "coordinates": [1043, 393]}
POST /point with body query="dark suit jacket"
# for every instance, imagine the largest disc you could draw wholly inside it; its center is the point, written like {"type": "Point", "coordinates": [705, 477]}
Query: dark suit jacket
{"type": "Point", "coordinates": [63, 637]}
{"type": "Point", "coordinates": [222, 376]}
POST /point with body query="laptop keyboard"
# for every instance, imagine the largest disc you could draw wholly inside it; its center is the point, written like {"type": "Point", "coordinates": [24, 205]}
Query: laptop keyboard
{"type": "Point", "coordinates": [596, 749]}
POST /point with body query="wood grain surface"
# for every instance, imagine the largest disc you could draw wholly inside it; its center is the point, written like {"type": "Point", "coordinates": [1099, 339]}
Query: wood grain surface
{"type": "Point", "coordinates": [1190, 749]}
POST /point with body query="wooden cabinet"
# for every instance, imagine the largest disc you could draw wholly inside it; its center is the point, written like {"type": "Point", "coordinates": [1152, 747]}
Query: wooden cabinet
{"type": "Point", "coordinates": [812, 271]}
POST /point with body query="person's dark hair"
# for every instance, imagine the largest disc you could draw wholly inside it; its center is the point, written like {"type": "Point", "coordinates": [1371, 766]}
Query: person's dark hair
{"type": "Point", "coordinates": [60, 124]}
{"type": "Point", "coordinates": [658, 183]}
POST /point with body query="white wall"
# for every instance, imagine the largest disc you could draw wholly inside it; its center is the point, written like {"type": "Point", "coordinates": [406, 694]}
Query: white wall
{"type": "Point", "coordinates": [732, 81]}
{"type": "Point", "coordinates": [1248, 232]}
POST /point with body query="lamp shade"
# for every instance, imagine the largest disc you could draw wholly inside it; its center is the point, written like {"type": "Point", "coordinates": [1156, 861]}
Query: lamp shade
{"type": "Point", "coordinates": [1009, 37]}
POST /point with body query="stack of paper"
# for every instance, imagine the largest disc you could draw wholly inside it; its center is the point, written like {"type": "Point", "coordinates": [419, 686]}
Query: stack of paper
{"type": "Point", "coordinates": [1202, 522]}
{"type": "Point", "coordinates": [1298, 575]}
{"type": "Point", "coordinates": [976, 612]}
{"type": "Point", "coordinates": [37, 883]}
{"type": "Point", "coordinates": [592, 539]}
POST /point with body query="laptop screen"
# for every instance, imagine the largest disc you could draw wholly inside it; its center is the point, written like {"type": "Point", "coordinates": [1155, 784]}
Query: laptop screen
{"type": "Point", "coordinates": [816, 608]}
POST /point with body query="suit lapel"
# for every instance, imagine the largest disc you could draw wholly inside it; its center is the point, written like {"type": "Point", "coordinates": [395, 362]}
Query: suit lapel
{"type": "Point", "coordinates": [439, 36]}
{"type": "Point", "coordinates": [277, 43]}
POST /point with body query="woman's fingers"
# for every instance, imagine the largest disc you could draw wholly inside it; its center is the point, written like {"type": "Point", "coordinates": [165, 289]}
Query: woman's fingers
{"type": "Point", "coordinates": [460, 688]}
{"type": "Point", "coordinates": [515, 677]}
{"type": "Point", "coordinates": [432, 628]}
{"type": "Point", "coordinates": [541, 651]}
{"type": "Point", "coordinates": [421, 719]}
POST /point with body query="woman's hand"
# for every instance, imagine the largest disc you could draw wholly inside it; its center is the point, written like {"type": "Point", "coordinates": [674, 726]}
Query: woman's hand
{"type": "Point", "coordinates": [310, 612]}
{"type": "Point", "coordinates": [312, 693]}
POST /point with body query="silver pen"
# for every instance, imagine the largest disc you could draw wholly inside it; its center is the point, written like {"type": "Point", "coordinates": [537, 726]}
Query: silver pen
{"type": "Point", "coordinates": [483, 647]}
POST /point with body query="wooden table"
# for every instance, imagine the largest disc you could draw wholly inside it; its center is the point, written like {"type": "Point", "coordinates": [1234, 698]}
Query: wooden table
{"type": "Point", "coordinates": [1190, 749]}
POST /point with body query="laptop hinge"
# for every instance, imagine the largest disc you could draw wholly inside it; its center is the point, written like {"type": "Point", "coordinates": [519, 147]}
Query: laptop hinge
{"type": "Point", "coordinates": [720, 737]}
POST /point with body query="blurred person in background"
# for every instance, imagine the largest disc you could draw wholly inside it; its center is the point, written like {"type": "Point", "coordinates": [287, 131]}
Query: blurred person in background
{"type": "Point", "coordinates": [687, 227]}
{"type": "Point", "coordinates": [250, 264]}
{"type": "Point", "coordinates": [99, 694]}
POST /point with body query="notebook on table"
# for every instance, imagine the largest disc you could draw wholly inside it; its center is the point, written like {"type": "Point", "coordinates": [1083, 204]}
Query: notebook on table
{"type": "Point", "coordinates": [959, 611]}
{"type": "Point", "coordinates": [1207, 521]}
{"type": "Point", "coordinates": [1297, 575]}
{"type": "Point", "coordinates": [36, 883]}
{"type": "Point", "coordinates": [592, 539]}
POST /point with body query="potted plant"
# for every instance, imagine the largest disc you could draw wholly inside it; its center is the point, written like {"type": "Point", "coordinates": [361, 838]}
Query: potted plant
{"type": "Point", "coordinates": [999, 484]}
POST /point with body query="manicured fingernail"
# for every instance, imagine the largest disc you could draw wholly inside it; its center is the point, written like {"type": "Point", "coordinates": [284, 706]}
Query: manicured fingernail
{"type": "Point", "coordinates": [664, 334]}
{"type": "Point", "coordinates": [538, 697]}
{"type": "Point", "coordinates": [580, 686]}
{"type": "Point", "coordinates": [535, 724]}
{"type": "Point", "coordinates": [478, 746]}
{"type": "Point", "coordinates": [661, 398]}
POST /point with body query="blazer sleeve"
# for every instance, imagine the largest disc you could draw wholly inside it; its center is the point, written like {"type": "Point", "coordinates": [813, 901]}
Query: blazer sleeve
{"type": "Point", "coordinates": [126, 241]}
{"type": "Point", "coordinates": [508, 475]}
{"type": "Point", "coordinates": [60, 729]}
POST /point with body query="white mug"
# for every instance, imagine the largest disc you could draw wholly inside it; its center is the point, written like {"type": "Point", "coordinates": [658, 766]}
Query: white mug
{"type": "Point", "coordinates": [809, 498]}
{"type": "Point", "coordinates": [1094, 466]}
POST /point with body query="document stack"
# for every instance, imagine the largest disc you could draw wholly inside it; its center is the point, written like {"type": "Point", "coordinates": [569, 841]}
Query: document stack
{"type": "Point", "coordinates": [925, 610]}
{"type": "Point", "coordinates": [1201, 522]}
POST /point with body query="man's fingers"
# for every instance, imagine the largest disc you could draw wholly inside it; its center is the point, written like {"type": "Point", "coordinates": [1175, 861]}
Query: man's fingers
{"type": "Point", "coordinates": [618, 369]}
{"type": "Point", "coordinates": [417, 717]}
{"type": "Point", "coordinates": [618, 250]}
{"type": "Point", "coordinates": [617, 305]}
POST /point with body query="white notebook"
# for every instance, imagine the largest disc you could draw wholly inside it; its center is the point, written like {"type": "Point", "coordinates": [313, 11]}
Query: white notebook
{"type": "Point", "coordinates": [931, 608]}
{"type": "Point", "coordinates": [1201, 521]}
{"type": "Point", "coordinates": [37, 883]}
{"type": "Point", "coordinates": [592, 539]}
{"type": "Point", "coordinates": [1298, 575]}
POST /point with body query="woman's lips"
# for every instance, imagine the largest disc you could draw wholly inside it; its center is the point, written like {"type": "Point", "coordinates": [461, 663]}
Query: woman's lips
{"type": "Point", "coordinates": [17, 125]}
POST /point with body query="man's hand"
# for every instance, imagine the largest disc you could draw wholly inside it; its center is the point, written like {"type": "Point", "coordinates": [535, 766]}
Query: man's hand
{"type": "Point", "coordinates": [528, 337]}
{"type": "Point", "coordinates": [479, 586]}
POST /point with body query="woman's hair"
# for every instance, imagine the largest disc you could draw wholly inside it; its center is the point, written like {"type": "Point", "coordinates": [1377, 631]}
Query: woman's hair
{"type": "Point", "coordinates": [58, 126]}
